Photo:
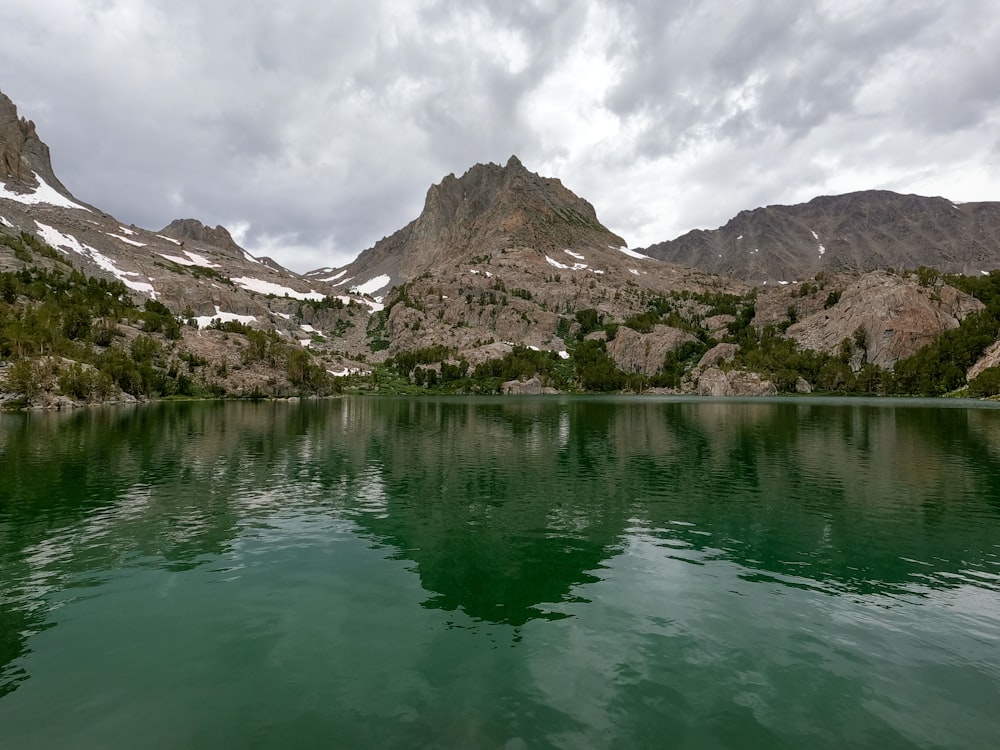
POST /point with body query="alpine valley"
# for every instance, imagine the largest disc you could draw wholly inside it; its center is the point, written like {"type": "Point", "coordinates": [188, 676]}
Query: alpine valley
{"type": "Point", "coordinates": [506, 282]}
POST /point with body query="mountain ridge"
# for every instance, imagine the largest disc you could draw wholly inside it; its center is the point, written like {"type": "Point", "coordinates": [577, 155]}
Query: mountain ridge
{"type": "Point", "coordinates": [855, 232]}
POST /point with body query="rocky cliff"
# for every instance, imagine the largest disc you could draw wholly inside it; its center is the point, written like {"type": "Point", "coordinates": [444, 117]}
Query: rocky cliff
{"type": "Point", "coordinates": [24, 158]}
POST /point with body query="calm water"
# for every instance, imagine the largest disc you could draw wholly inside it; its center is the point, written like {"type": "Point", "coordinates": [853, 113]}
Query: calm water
{"type": "Point", "coordinates": [569, 573]}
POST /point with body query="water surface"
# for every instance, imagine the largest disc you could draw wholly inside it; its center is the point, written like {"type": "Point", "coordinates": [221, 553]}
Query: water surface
{"type": "Point", "coordinates": [516, 573]}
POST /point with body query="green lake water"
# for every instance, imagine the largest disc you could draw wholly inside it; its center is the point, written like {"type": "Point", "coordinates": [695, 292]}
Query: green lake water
{"type": "Point", "coordinates": [502, 573]}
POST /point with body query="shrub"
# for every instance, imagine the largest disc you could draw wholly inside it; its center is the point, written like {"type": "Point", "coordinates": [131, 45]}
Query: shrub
{"type": "Point", "coordinates": [986, 383]}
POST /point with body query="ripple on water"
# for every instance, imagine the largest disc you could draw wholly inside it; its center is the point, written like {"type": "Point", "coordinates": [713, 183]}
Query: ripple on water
{"type": "Point", "coordinates": [551, 573]}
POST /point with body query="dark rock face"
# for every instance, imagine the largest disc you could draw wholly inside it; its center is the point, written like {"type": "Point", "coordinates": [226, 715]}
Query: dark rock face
{"type": "Point", "coordinates": [856, 232]}
{"type": "Point", "coordinates": [22, 153]}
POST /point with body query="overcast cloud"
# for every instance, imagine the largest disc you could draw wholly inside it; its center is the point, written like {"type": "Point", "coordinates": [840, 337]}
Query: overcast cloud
{"type": "Point", "coordinates": [311, 129]}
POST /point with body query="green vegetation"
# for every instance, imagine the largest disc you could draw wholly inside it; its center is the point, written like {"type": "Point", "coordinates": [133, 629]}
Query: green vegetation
{"type": "Point", "coordinates": [62, 332]}
{"type": "Point", "coordinates": [679, 362]}
{"type": "Point", "coordinates": [987, 383]}
{"type": "Point", "coordinates": [595, 370]}
{"type": "Point", "coordinates": [46, 313]}
{"type": "Point", "coordinates": [781, 361]}
{"type": "Point", "coordinates": [26, 246]}
{"type": "Point", "coordinates": [662, 310]}
{"type": "Point", "coordinates": [65, 333]}
{"type": "Point", "coordinates": [523, 363]}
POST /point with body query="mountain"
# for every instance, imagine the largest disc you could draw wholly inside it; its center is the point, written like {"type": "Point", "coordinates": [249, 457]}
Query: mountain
{"type": "Point", "coordinates": [856, 232]}
{"type": "Point", "coordinates": [506, 280]}
{"type": "Point", "coordinates": [503, 256]}
{"type": "Point", "coordinates": [488, 210]}
{"type": "Point", "coordinates": [187, 265]}
{"type": "Point", "coordinates": [53, 245]}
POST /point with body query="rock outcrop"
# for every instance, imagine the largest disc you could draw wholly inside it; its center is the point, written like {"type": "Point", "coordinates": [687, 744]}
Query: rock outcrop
{"type": "Point", "coordinates": [530, 387]}
{"type": "Point", "coordinates": [990, 358]}
{"type": "Point", "coordinates": [23, 156]}
{"type": "Point", "coordinates": [884, 318]}
{"type": "Point", "coordinates": [718, 354]}
{"type": "Point", "coordinates": [643, 353]}
{"type": "Point", "coordinates": [192, 229]}
{"type": "Point", "coordinates": [716, 382]}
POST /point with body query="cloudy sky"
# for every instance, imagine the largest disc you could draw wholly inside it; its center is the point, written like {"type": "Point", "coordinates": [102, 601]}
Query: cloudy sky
{"type": "Point", "coordinates": [312, 129]}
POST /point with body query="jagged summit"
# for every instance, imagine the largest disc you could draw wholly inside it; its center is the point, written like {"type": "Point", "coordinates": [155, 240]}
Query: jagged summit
{"type": "Point", "coordinates": [192, 229]}
{"type": "Point", "coordinates": [489, 210]}
{"type": "Point", "coordinates": [24, 158]}
{"type": "Point", "coordinates": [510, 205]}
{"type": "Point", "coordinates": [861, 231]}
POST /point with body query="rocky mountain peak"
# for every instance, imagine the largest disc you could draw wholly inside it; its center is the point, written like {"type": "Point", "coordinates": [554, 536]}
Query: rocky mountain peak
{"type": "Point", "coordinates": [192, 229]}
{"type": "Point", "coordinates": [490, 209]}
{"type": "Point", "coordinates": [24, 158]}
{"type": "Point", "coordinates": [515, 206]}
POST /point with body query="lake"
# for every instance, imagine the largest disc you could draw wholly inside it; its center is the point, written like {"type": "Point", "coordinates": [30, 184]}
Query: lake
{"type": "Point", "coordinates": [554, 572]}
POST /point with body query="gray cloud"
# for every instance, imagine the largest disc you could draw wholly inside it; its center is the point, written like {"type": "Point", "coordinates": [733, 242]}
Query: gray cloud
{"type": "Point", "coordinates": [314, 129]}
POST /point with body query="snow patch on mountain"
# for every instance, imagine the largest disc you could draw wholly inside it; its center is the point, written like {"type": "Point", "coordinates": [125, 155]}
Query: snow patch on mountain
{"type": "Point", "coordinates": [204, 321]}
{"type": "Point", "coordinates": [44, 193]}
{"type": "Point", "coordinates": [334, 277]}
{"type": "Point", "coordinates": [268, 287]}
{"type": "Point", "coordinates": [633, 254]}
{"type": "Point", "coordinates": [372, 285]}
{"type": "Point", "coordinates": [67, 242]}
{"type": "Point", "coordinates": [345, 371]}
{"type": "Point", "coordinates": [126, 240]}
{"type": "Point", "coordinates": [192, 259]}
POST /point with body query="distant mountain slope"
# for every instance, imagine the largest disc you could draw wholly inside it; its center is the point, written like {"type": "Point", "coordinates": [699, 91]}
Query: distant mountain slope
{"type": "Point", "coordinates": [874, 229]}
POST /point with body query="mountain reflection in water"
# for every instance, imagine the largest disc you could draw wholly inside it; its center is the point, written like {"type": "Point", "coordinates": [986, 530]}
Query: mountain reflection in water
{"type": "Point", "coordinates": [507, 511]}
